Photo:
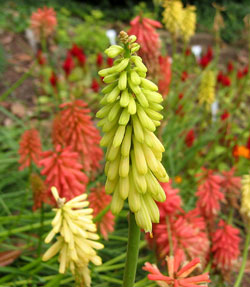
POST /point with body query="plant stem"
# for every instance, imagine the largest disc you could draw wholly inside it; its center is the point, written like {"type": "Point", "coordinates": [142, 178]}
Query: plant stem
{"type": "Point", "coordinates": [41, 230]}
{"type": "Point", "coordinates": [132, 252]}
{"type": "Point", "coordinates": [244, 260]}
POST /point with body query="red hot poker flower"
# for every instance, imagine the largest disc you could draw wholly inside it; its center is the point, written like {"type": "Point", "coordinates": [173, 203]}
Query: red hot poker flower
{"type": "Point", "coordinates": [190, 137]}
{"type": "Point", "coordinates": [184, 76]}
{"type": "Point", "coordinates": [164, 75]}
{"type": "Point", "coordinates": [68, 65]}
{"type": "Point", "coordinates": [230, 67]}
{"type": "Point", "coordinates": [177, 272]}
{"type": "Point", "coordinates": [99, 60]}
{"type": "Point", "coordinates": [79, 132]}
{"type": "Point", "coordinates": [78, 53]}
{"type": "Point", "coordinates": [209, 194]}
{"type": "Point", "coordinates": [226, 81]}
{"type": "Point", "coordinates": [225, 115]}
{"type": "Point", "coordinates": [207, 58]}
{"type": "Point", "coordinates": [110, 62]}
{"type": "Point", "coordinates": [62, 170]}
{"type": "Point", "coordinates": [225, 246]}
{"type": "Point", "coordinates": [29, 148]}
{"type": "Point", "coordinates": [99, 200]}
{"type": "Point", "coordinates": [95, 86]}
{"type": "Point", "coordinates": [53, 79]}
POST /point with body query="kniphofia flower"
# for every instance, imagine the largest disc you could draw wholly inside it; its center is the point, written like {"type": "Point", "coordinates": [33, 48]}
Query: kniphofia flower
{"type": "Point", "coordinates": [79, 132]}
{"type": "Point", "coordinates": [245, 201]}
{"type": "Point", "coordinates": [99, 200]}
{"type": "Point", "coordinates": [189, 138]}
{"type": "Point", "coordinates": [209, 193]}
{"type": "Point", "coordinates": [188, 23]}
{"type": "Point", "coordinates": [29, 148]}
{"type": "Point", "coordinates": [177, 272]}
{"type": "Point", "coordinates": [62, 170]}
{"type": "Point", "coordinates": [145, 31]}
{"type": "Point", "coordinates": [43, 21]}
{"type": "Point", "coordinates": [165, 75]}
{"type": "Point", "coordinates": [76, 242]}
{"type": "Point", "coordinates": [225, 246]}
{"type": "Point", "coordinates": [68, 65]}
{"type": "Point", "coordinates": [95, 86]}
{"type": "Point", "coordinates": [207, 89]}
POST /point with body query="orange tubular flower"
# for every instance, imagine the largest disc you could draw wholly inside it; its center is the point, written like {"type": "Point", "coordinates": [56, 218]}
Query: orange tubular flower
{"type": "Point", "coordinates": [209, 194]}
{"type": "Point", "coordinates": [98, 201]}
{"type": "Point", "coordinates": [30, 148]}
{"type": "Point", "coordinates": [145, 31]}
{"type": "Point", "coordinates": [225, 246]}
{"type": "Point", "coordinates": [43, 21]}
{"type": "Point", "coordinates": [165, 75]}
{"type": "Point", "coordinates": [63, 171]}
{"type": "Point", "coordinates": [242, 151]}
{"type": "Point", "coordinates": [178, 275]}
{"type": "Point", "coordinates": [78, 131]}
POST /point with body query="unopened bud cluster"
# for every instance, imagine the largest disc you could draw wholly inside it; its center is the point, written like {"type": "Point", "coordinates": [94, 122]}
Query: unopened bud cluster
{"type": "Point", "coordinates": [76, 243]}
{"type": "Point", "coordinates": [129, 117]}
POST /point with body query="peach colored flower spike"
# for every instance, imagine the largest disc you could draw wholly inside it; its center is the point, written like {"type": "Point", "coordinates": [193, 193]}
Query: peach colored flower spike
{"type": "Point", "coordinates": [177, 274]}
{"type": "Point", "coordinates": [43, 21]}
{"type": "Point", "coordinates": [30, 148]}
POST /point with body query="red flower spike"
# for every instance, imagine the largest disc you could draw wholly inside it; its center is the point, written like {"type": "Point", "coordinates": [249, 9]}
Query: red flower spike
{"type": "Point", "coordinates": [145, 31]}
{"type": "Point", "coordinates": [220, 77]}
{"type": "Point", "coordinates": [231, 186]}
{"type": "Point", "coordinates": [53, 79]}
{"type": "Point", "coordinates": [29, 148]}
{"type": "Point", "coordinates": [225, 115]}
{"type": "Point", "coordinates": [62, 170]}
{"type": "Point", "coordinates": [177, 273]}
{"type": "Point", "coordinates": [209, 194]}
{"type": "Point", "coordinates": [172, 204]}
{"type": "Point", "coordinates": [110, 62]}
{"type": "Point", "coordinates": [207, 58]}
{"type": "Point", "coordinates": [99, 200]}
{"type": "Point", "coordinates": [225, 246]}
{"type": "Point", "coordinates": [184, 76]}
{"type": "Point", "coordinates": [75, 51]}
{"type": "Point", "coordinates": [226, 81]}
{"type": "Point", "coordinates": [95, 86]}
{"type": "Point", "coordinates": [245, 71]}
{"type": "Point", "coordinates": [239, 74]}
{"type": "Point", "coordinates": [230, 67]}
{"type": "Point", "coordinates": [190, 137]}
{"type": "Point", "coordinates": [79, 132]}
{"type": "Point", "coordinates": [68, 65]}
{"type": "Point", "coordinates": [99, 60]}
{"type": "Point", "coordinates": [164, 75]}
{"type": "Point", "coordinates": [40, 58]}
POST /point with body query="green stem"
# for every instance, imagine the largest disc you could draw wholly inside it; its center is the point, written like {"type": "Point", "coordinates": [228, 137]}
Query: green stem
{"type": "Point", "coordinates": [244, 260]}
{"type": "Point", "coordinates": [41, 230]}
{"type": "Point", "coordinates": [132, 252]}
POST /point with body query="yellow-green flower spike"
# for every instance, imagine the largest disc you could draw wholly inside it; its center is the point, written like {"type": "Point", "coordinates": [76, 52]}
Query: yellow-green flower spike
{"type": "Point", "coordinates": [207, 89]}
{"type": "Point", "coordinates": [129, 117]}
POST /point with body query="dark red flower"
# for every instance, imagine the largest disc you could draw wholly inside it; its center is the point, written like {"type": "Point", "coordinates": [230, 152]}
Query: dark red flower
{"type": "Point", "coordinates": [226, 81]}
{"type": "Point", "coordinates": [40, 58]}
{"type": "Point", "coordinates": [220, 77]}
{"type": "Point", "coordinates": [207, 58]}
{"type": "Point", "coordinates": [230, 67]}
{"type": "Point", "coordinates": [245, 71]}
{"type": "Point", "coordinates": [99, 60]}
{"type": "Point", "coordinates": [225, 115]}
{"type": "Point", "coordinates": [180, 96]}
{"type": "Point", "coordinates": [95, 86]}
{"type": "Point", "coordinates": [190, 137]}
{"type": "Point", "coordinates": [239, 74]}
{"type": "Point", "coordinates": [184, 76]}
{"type": "Point", "coordinates": [53, 79]}
{"type": "Point", "coordinates": [68, 65]}
{"type": "Point", "coordinates": [75, 50]}
{"type": "Point", "coordinates": [110, 62]}
{"type": "Point", "coordinates": [188, 52]}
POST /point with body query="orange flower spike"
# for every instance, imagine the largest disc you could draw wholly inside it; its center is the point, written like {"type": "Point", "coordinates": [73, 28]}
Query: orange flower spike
{"type": "Point", "coordinates": [30, 148]}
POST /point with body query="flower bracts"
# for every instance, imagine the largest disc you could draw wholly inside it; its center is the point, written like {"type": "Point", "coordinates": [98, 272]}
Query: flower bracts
{"type": "Point", "coordinates": [130, 115]}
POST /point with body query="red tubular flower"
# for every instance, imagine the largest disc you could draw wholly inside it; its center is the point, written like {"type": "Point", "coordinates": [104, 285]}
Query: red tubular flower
{"type": "Point", "coordinates": [38, 188]}
{"type": "Point", "coordinates": [230, 67]}
{"type": "Point", "coordinates": [145, 31]}
{"type": "Point", "coordinates": [53, 79]}
{"type": "Point", "coordinates": [79, 132]}
{"type": "Point", "coordinates": [190, 137]}
{"type": "Point", "coordinates": [164, 75]}
{"type": "Point", "coordinates": [184, 76]}
{"type": "Point", "coordinates": [207, 58]}
{"type": "Point", "coordinates": [99, 200]}
{"type": "Point", "coordinates": [226, 81]}
{"type": "Point", "coordinates": [95, 86]}
{"type": "Point", "coordinates": [40, 58]}
{"type": "Point", "coordinates": [68, 65]}
{"type": "Point", "coordinates": [29, 148]}
{"type": "Point", "coordinates": [99, 60]}
{"type": "Point", "coordinates": [225, 246]}
{"type": "Point", "coordinates": [178, 275]}
{"type": "Point", "coordinates": [43, 21]}
{"type": "Point", "coordinates": [231, 186]}
{"type": "Point", "coordinates": [209, 193]}
{"type": "Point", "coordinates": [62, 170]}
{"type": "Point", "coordinates": [220, 77]}
{"type": "Point", "coordinates": [172, 204]}
{"type": "Point", "coordinates": [78, 53]}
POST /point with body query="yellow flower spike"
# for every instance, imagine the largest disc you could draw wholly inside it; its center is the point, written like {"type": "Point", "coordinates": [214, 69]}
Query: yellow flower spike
{"type": "Point", "coordinates": [132, 112]}
{"type": "Point", "coordinates": [207, 89]}
{"type": "Point", "coordinates": [76, 243]}
{"type": "Point", "coordinates": [188, 23]}
{"type": "Point", "coordinates": [245, 201]}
